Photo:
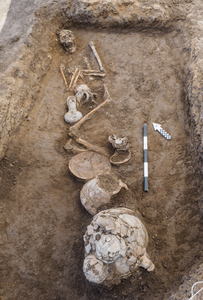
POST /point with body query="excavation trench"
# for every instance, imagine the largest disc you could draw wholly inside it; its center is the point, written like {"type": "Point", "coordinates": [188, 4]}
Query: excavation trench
{"type": "Point", "coordinates": [43, 221]}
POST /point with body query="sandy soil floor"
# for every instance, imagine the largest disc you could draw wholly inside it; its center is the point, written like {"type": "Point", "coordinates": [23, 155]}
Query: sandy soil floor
{"type": "Point", "coordinates": [43, 221]}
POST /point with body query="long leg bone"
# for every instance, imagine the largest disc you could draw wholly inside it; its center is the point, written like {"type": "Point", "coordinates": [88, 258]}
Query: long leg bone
{"type": "Point", "coordinates": [62, 67]}
{"type": "Point", "coordinates": [74, 129]}
{"type": "Point", "coordinates": [69, 147]}
{"type": "Point", "coordinates": [91, 45]}
{"type": "Point", "coordinates": [91, 147]}
{"type": "Point", "coordinates": [73, 77]}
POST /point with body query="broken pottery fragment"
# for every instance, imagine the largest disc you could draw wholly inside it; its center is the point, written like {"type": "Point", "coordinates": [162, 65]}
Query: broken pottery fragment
{"type": "Point", "coordinates": [73, 115]}
{"type": "Point", "coordinates": [83, 92]}
{"type": "Point", "coordinates": [122, 153]}
{"type": "Point", "coordinates": [99, 191]}
{"type": "Point", "coordinates": [115, 245]}
{"type": "Point", "coordinates": [67, 39]}
{"type": "Point", "coordinates": [88, 165]}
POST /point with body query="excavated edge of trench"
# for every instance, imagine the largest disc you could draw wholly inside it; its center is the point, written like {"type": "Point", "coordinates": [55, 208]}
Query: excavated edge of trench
{"type": "Point", "coordinates": [20, 86]}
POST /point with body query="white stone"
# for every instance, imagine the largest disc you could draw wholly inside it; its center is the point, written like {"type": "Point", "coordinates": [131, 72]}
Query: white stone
{"type": "Point", "coordinates": [121, 265]}
{"type": "Point", "coordinates": [90, 229]}
{"type": "Point", "coordinates": [131, 260]}
{"type": "Point", "coordinates": [108, 248]}
{"type": "Point", "coordinates": [124, 230]}
{"type": "Point", "coordinates": [88, 248]}
{"type": "Point", "coordinates": [131, 220]}
{"type": "Point", "coordinates": [107, 223]}
{"type": "Point", "coordinates": [94, 269]}
{"type": "Point", "coordinates": [146, 263]}
{"type": "Point", "coordinates": [118, 240]}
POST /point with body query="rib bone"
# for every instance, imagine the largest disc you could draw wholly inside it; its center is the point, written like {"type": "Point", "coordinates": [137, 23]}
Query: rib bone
{"type": "Point", "coordinates": [62, 67]}
{"type": "Point", "coordinates": [75, 80]}
{"type": "Point", "coordinates": [91, 45]}
{"type": "Point", "coordinates": [73, 77]}
{"type": "Point", "coordinates": [96, 74]}
{"type": "Point", "coordinates": [91, 71]}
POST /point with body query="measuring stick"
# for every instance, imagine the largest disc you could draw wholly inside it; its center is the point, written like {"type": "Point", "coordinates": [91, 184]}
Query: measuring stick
{"type": "Point", "coordinates": [145, 158]}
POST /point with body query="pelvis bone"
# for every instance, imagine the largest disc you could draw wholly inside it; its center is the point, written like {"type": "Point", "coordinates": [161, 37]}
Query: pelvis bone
{"type": "Point", "coordinates": [83, 92]}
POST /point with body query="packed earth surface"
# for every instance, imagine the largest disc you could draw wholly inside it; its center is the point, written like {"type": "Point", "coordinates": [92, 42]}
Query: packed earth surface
{"type": "Point", "coordinates": [42, 219]}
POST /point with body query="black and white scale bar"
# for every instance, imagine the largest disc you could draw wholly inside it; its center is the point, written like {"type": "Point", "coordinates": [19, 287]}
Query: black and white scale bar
{"type": "Point", "coordinates": [145, 158]}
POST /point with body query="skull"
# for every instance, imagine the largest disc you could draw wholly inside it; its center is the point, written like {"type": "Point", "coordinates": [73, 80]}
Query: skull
{"type": "Point", "coordinates": [67, 39]}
